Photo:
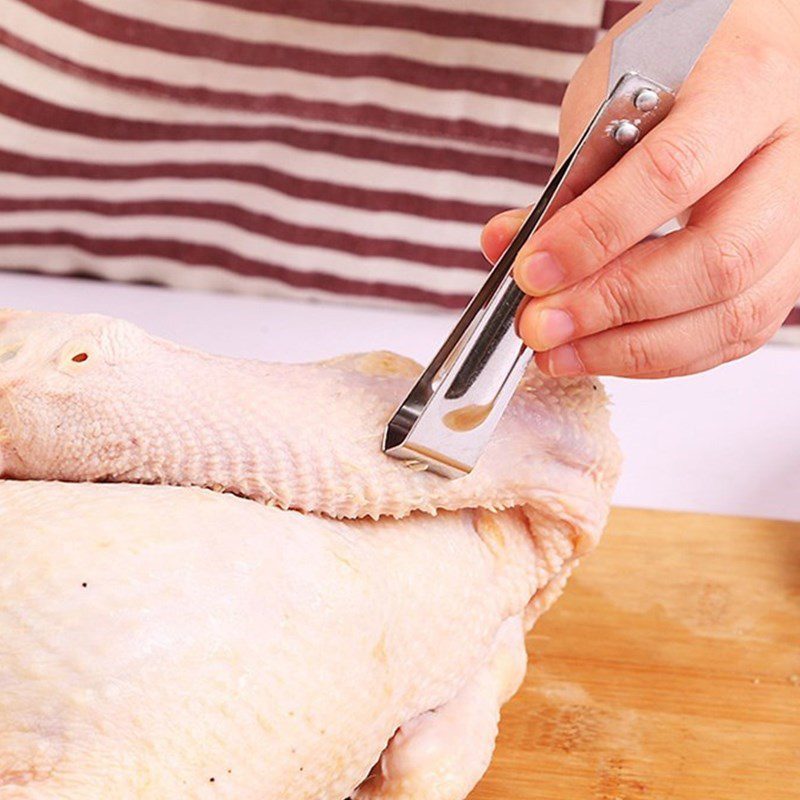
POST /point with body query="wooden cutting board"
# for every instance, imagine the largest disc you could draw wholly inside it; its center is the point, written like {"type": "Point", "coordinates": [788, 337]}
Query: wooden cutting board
{"type": "Point", "coordinates": [669, 670]}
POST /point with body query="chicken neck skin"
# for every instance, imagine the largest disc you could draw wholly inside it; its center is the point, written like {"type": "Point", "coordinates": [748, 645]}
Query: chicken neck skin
{"type": "Point", "coordinates": [95, 399]}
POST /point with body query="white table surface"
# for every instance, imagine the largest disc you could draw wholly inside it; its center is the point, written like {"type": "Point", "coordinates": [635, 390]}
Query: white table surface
{"type": "Point", "coordinates": [726, 441]}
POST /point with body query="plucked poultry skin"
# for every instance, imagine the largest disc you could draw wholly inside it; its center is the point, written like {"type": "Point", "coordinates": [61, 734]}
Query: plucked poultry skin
{"type": "Point", "coordinates": [346, 625]}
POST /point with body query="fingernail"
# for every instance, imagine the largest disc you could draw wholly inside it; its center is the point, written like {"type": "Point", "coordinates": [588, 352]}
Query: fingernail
{"type": "Point", "coordinates": [504, 229]}
{"type": "Point", "coordinates": [540, 274]}
{"type": "Point", "coordinates": [564, 361]}
{"type": "Point", "coordinates": [552, 327]}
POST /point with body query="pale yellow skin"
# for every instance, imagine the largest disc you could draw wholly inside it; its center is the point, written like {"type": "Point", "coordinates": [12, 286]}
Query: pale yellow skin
{"type": "Point", "coordinates": [277, 651]}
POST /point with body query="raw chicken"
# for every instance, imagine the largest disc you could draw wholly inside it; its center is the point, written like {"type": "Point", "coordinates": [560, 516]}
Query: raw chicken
{"type": "Point", "coordinates": [349, 625]}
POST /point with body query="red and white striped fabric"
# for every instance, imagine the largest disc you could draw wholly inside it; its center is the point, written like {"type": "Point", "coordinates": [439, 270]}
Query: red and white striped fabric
{"type": "Point", "coordinates": [325, 148]}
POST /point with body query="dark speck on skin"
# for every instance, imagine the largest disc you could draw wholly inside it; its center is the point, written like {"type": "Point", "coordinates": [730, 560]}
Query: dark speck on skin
{"type": "Point", "coordinates": [84, 585]}
{"type": "Point", "coordinates": [211, 780]}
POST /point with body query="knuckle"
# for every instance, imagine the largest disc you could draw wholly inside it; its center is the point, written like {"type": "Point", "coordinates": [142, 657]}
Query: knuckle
{"type": "Point", "coordinates": [675, 166]}
{"type": "Point", "coordinates": [728, 262]}
{"type": "Point", "coordinates": [756, 342]}
{"type": "Point", "coordinates": [635, 355]}
{"type": "Point", "coordinates": [768, 64]}
{"type": "Point", "coordinates": [759, 339]}
{"type": "Point", "coordinates": [618, 299]}
{"type": "Point", "coordinates": [594, 225]}
{"type": "Point", "coordinates": [742, 321]}
{"type": "Point", "coordinates": [734, 353]}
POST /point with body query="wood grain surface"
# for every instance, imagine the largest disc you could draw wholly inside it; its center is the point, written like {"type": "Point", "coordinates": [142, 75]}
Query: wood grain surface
{"type": "Point", "coordinates": [669, 670]}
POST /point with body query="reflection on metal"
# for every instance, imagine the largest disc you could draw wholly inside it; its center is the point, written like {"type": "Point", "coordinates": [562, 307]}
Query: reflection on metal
{"type": "Point", "coordinates": [450, 414]}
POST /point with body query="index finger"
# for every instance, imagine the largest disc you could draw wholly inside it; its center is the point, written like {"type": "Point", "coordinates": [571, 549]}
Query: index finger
{"type": "Point", "coordinates": [706, 137]}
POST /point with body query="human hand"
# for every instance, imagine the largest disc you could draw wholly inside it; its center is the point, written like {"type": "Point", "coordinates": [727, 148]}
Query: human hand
{"type": "Point", "coordinates": [726, 159]}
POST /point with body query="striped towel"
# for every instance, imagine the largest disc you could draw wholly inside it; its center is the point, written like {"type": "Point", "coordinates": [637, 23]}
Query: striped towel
{"type": "Point", "coordinates": [319, 148]}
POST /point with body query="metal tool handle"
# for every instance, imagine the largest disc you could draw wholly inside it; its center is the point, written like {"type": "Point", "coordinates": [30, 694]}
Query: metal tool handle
{"type": "Point", "coordinates": [452, 410]}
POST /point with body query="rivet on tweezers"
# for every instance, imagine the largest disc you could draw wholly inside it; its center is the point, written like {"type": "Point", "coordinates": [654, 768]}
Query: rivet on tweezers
{"type": "Point", "coordinates": [626, 133]}
{"type": "Point", "coordinates": [646, 100]}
